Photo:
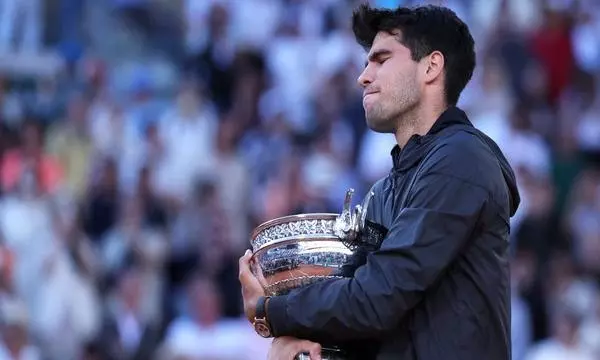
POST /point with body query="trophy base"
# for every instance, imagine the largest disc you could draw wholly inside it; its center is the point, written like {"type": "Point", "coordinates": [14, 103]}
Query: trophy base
{"type": "Point", "coordinates": [326, 354]}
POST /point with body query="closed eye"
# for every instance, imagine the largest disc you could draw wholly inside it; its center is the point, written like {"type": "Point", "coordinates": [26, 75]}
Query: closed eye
{"type": "Point", "coordinates": [378, 60]}
{"type": "Point", "coordinates": [379, 56]}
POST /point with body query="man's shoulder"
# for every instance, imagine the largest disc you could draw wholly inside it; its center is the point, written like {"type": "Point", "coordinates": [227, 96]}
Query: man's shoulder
{"type": "Point", "coordinates": [462, 151]}
{"type": "Point", "coordinates": [470, 156]}
{"type": "Point", "coordinates": [464, 141]}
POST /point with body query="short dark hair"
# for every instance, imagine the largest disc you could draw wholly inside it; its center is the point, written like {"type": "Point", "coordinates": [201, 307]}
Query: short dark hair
{"type": "Point", "coordinates": [424, 30]}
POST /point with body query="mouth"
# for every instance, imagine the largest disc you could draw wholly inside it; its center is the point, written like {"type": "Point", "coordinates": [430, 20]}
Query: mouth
{"type": "Point", "coordinates": [366, 100]}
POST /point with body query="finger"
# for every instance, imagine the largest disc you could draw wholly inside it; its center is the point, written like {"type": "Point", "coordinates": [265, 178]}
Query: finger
{"type": "Point", "coordinates": [244, 266]}
{"type": "Point", "coordinates": [244, 262]}
{"type": "Point", "coordinates": [257, 272]}
{"type": "Point", "coordinates": [314, 350]}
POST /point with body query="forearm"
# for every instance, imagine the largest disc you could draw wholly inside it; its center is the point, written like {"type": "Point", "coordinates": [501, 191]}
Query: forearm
{"type": "Point", "coordinates": [332, 309]}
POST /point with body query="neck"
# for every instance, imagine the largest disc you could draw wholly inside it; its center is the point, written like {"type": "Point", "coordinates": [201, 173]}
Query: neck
{"type": "Point", "coordinates": [417, 121]}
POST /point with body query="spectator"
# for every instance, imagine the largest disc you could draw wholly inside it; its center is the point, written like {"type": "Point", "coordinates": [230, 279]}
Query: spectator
{"type": "Point", "coordinates": [27, 13]}
{"type": "Point", "coordinates": [201, 333]}
{"type": "Point", "coordinates": [70, 143]}
{"type": "Point", "coordinates": [15, 342]}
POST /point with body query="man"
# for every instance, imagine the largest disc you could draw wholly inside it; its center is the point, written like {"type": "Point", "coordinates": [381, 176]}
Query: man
{"type": "Point", "coordinates": [438, 285]}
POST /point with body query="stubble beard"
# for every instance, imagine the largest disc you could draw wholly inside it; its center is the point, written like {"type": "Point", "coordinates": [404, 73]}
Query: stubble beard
{"type": "Point", "coordinates": [378, 120]}
{"type": "Point", "coordinates": [387, 118]}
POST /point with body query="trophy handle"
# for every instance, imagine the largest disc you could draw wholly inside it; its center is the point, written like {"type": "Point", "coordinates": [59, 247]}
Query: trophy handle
{"type": "Point", "coordinates": [345, 221]}
{"type": "Point", "coordinates": [350, 223]}
{"type": "Point", "coordinates": [348, 201]}
{"type": "Point", "coordinates": [365, 207]}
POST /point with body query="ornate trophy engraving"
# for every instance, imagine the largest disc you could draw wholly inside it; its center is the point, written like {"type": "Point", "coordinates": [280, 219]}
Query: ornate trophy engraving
{"type": "Point", "coordinates": [298, 250]}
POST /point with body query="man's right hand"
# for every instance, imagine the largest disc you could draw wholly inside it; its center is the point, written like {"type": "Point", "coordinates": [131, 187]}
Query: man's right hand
{"type": "Point", "coordinates": [286, 348]}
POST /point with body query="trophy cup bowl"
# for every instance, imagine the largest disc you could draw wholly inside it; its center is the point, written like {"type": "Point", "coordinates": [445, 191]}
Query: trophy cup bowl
{"type": "Point", "coordinates": [297, 250]}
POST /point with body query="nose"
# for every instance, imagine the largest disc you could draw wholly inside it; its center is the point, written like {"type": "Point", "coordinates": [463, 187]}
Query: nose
{"type": "Point", "coordinates": [365, 78]}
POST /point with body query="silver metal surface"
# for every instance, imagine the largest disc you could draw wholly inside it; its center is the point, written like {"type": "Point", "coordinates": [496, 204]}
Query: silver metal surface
{"type": "Point", "coordinates": [350, 223]}
{"type": "Point", "coordinates": [296, 251]}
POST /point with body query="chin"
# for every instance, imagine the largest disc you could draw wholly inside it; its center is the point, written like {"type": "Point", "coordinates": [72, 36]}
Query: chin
{"type": "Point", "coordinates": [380, 125]}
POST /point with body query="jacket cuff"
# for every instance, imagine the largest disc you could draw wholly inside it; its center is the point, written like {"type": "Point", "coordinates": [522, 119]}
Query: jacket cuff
{"type": "Point", "coordinates": [277, 315]}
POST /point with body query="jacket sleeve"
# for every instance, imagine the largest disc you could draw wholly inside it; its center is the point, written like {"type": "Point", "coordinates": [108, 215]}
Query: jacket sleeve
{"type": "Point", "coordinates": [422, 242]}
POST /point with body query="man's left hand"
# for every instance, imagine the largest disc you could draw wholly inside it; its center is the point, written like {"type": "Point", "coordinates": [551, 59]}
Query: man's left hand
{"type": "Point", "coordinates": [251, 287]}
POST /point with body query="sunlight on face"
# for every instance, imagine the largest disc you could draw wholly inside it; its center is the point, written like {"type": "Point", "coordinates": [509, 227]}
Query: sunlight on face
{"type": "Point", "coordinates": [390, 83]}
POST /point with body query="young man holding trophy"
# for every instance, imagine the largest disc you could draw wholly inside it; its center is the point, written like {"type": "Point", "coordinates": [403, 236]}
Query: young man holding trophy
{"type": "Point", "coordinates": [427, 276]}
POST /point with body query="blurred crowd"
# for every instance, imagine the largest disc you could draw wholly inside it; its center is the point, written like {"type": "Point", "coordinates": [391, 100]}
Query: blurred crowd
{"type": "Point", "coordinates": [123, 211]}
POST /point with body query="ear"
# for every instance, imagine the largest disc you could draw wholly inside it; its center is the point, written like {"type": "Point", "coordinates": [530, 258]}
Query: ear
{"type": "Point", "coordinates": [434, 67]}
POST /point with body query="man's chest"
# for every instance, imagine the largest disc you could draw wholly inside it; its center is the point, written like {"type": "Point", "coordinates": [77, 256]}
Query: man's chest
{"type": "Point", "coordinates": [392, 196]}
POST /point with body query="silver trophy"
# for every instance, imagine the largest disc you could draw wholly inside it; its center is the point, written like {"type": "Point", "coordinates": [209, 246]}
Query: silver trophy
{"type": "Point", "coordinates": [298, 250]}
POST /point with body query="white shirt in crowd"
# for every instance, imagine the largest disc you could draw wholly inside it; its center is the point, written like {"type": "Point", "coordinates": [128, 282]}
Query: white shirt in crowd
{"type": "Point", "coordinates": [226, 340]}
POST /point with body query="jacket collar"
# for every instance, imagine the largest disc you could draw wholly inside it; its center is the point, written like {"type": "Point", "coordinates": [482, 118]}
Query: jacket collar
{"type": "Point", "coordinates": [416, 147]}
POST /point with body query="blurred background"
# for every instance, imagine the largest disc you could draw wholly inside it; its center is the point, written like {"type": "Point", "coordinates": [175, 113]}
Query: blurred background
{"type": "Point", "coordinates": [142, 140]}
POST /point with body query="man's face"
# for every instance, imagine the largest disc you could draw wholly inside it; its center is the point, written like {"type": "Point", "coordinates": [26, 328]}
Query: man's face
{"type": "Point", "coordinates": [390, 82]}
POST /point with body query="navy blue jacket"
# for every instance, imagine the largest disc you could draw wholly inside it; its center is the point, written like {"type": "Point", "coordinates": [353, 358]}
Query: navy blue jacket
{"type": "Point", "coordinates": [438, 286]}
